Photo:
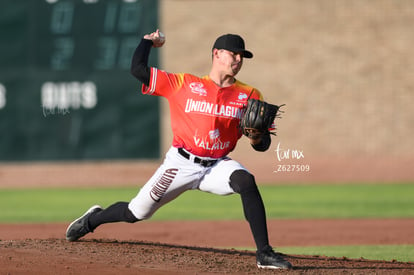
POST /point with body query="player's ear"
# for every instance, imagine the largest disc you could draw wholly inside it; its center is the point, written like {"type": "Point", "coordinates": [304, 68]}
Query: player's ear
{"type": "Point", "coordinates": [214, 53]}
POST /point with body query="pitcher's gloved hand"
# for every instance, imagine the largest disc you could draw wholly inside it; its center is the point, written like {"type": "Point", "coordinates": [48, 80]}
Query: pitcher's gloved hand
{"type": "Point", "coordinates": [258, 118]}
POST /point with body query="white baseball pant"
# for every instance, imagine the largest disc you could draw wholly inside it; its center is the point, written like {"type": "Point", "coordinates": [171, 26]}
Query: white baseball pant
{"type": "Point", "coordinates": [178, 174]}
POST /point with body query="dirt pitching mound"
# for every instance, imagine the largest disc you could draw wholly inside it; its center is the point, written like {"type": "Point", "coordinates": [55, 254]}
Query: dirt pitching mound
{"type": "Point", "coordinates": [103, 256]}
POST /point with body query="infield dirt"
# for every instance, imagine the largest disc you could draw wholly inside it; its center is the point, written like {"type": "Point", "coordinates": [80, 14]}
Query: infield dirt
{"type": "Point", "coordinates": [195, 247]}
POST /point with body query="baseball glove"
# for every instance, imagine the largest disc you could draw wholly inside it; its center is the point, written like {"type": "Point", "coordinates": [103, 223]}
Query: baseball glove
{"type": "Point", "coordinates": [258, 118]}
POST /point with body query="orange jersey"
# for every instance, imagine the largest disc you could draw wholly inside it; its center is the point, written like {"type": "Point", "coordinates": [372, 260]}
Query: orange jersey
{"type": "Point", "coordinates": [204, 117]}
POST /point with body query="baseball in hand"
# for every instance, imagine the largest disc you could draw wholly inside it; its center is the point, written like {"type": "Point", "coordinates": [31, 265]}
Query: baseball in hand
{"type": "Point", "coordinates": [159, 39]}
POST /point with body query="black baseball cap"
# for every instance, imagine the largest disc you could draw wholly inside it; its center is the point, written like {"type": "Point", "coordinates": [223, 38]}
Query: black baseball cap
{"type": "Point", "coordinates": [233, 43]}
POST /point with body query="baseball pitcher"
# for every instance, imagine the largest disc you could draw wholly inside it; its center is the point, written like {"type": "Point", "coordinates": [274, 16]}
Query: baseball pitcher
{"type": "Point", "coordinates": [208, 116]}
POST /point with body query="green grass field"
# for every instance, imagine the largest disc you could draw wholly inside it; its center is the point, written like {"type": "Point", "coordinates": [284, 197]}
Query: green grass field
{"type": "Point", "coordinates": [282, 202]}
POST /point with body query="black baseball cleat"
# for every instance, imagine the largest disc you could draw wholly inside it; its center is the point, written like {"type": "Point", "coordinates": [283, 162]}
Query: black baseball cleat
{"type": "Point", "coordinates": [80, 227]}
{"type": "Point", "coordinates": [268, 259]}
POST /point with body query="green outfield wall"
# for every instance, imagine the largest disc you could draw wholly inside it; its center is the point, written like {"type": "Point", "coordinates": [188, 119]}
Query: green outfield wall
{"type": "Point", "coordinates": [65, 88]}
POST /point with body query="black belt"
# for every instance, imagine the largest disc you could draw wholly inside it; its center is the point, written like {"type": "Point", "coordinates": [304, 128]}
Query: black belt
{"type": "Point", "coordinates": [202, 162]}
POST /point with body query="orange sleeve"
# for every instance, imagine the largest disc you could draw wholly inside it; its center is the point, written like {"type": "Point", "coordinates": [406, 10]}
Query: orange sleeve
{"type": "Point", "coordinates": [163, 83]}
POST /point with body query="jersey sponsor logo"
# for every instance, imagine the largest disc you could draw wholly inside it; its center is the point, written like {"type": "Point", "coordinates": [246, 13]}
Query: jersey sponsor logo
{"type": "Point", "coordinates": [214, 134]}
{"type": "Point", "coordinates": [212, 109]}
{"type": "Point", "coordinates": [241, 100]}
{"type": "Point", "coordinates": [212, 142]}
{"type": "Point", "coordinates": [198, 88]}
{"type": "Point", "coordinates": [160, 187]}
{"type": "Point", "coordinates": [242, 96]}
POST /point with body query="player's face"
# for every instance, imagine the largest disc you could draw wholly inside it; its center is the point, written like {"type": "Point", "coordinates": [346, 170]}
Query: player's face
{"type": "Point", "coordinates": [231, 61]}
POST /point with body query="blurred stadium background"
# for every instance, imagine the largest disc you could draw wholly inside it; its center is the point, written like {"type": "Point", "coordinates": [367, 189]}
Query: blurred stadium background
{"type": "Point", "coordinates": [343, 68]}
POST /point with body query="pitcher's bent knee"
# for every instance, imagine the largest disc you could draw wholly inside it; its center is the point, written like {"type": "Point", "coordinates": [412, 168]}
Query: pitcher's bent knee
{"type": "Point", "coordinates": [242, 181]}
{"type": "Point", "coordinates": [140, 210]}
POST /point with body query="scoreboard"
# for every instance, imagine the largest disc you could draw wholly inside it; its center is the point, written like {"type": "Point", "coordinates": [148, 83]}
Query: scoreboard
{"type": "Point", "coordinates": [66, 92]}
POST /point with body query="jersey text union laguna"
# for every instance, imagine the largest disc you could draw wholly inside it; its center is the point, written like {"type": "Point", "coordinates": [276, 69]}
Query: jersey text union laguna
{"type": "Point", "coordinates": [213, 109]}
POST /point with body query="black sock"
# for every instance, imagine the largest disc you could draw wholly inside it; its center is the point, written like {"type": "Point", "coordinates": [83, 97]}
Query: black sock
{"type": "Point", "coordinates": [117, 212]}
{"type": "Point", "coordinates": [254, 212]}
{"type": "Point", "coordinates": [243, 183]}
